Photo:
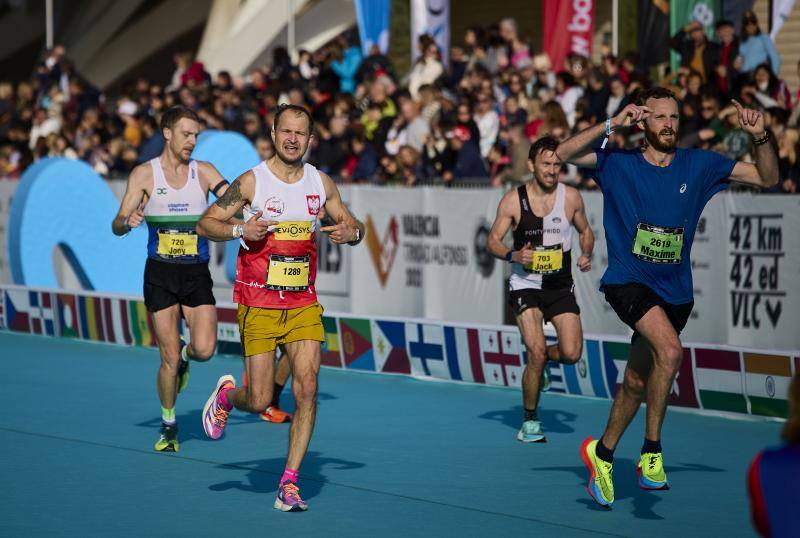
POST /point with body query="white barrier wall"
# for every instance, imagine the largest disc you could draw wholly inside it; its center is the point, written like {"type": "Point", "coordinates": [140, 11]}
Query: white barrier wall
{"type": "Point", "coordinates": [423, 256]}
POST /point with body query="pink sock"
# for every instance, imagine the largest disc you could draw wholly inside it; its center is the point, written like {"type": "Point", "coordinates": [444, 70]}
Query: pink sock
{"type": "Point", "coordinates": [291, 475]}
{"type": "Point", "coordinates": [223, 398]}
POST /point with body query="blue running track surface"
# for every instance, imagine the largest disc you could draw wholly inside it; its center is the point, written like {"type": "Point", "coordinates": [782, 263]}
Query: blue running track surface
{"type": "Point", "coordinates": [391, 456]}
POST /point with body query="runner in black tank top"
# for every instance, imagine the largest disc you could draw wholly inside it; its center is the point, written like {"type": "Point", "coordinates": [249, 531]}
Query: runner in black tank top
{"type": "Point", "coordinates": [543, 213]}
{"type": "Point", "coordinates": [547, 235]}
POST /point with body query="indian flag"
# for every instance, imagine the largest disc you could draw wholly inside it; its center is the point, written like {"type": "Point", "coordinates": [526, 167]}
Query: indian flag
{"type": "Point", "coordinates": [719, 380]}
{"type": "Point", "coordinates": [767, 379]}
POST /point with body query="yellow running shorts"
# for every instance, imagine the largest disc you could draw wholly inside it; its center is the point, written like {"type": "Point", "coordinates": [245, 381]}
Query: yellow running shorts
{"type": "Point", "coordinates": [261, 330]}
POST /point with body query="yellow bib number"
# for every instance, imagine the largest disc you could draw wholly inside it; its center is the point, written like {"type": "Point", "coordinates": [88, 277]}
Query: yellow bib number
{"type": "Point", "coordinates": [173, 243]}
{"type": "Point", "coordinates": [288, 273]}
{"type": "Point", "coordinates": [546, 260]}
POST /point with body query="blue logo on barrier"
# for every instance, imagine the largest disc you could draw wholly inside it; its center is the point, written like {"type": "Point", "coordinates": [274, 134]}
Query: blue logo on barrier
{"type": "Point", "coordinates": [80, 221]}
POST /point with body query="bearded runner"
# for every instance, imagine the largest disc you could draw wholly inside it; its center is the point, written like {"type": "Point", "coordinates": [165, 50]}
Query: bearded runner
{"type": "Point", "coordinates": [652, 201]}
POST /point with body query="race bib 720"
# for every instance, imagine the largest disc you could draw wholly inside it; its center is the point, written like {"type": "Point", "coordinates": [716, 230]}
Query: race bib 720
{"type": "Point", "coordinates": [173, 243]}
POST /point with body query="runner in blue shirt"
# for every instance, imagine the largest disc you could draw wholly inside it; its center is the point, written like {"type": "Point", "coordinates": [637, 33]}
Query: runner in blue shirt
{"type": "Point", "coordinates": [652, 201]}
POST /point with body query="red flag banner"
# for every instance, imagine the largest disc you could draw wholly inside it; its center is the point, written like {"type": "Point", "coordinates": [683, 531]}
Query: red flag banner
{"type": "Point", "coordinates": [568, 27]}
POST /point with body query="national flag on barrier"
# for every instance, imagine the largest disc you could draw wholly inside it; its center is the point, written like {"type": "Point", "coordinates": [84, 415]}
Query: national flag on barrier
{"type": "Point", "coordinates": [17, 310]}
{"type": "Point", "coordinates": [502, 361]}
{"type": "Point", "coordinates": [357, 344]}
{"type": "Point", "coordinates": [115, 316]}
{"type": "Point", "coordinates": [41, 313]}
{"type": "Point", "coordinates": [683, 393]}
{"type": "Point", "coordinates": [463, 350]}
{"type": "Point", "coordinates": [425, 343]}
{"type": "Point", "coordinates": [615, 359]}
{"type": "Point", "coordinates": [389, 347]}
{"type": "Point", "coordinates": [141, 324]}
{"type": "Point", "coordinates": [718, 374]}
{"type": "Point", "coordinates": [766, 381]}
{"type": "Point", "coordinates": [69, 325]}
{"type": "Point", "coordinates": [91, 315]}
{"type": "Point", "coordinates": [331, 355]}
{"type": "Point", "coordinates": [586, 376]}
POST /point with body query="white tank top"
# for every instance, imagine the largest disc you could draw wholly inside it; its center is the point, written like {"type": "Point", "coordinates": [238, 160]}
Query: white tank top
{"type": "Point", "coordinates": [545, 233]}
{"type": "Point", "coordinates": [281, 201]}
{"type": "Point", "coordinates": [175, 211]}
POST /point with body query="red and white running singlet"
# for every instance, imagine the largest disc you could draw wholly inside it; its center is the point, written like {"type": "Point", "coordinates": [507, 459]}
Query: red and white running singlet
{"type": "Point", "coordinates": [279, 271]}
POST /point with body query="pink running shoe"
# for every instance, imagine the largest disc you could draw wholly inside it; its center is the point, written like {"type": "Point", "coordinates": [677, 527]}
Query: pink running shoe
{"type": "Point", "coordinates": [289, 498]}
{"type": "Point", "coordinates": [215, 417]}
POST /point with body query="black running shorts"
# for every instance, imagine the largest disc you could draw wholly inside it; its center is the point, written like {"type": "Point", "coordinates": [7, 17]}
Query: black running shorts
{"type": "Point", "coordinates": [550, 302]}
{"type": "Point", "coordinates": [166, 284]}
{"type": "Point", "coordinates": [632, 301]}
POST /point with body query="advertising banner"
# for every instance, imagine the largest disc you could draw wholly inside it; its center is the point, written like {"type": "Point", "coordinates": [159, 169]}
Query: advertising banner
{"type": "Point", "coordinates": [431, 17]}
{"type": "Point", "coordinates": [568, 28]}
{"type": "Point", "coordinates": [424, 255]}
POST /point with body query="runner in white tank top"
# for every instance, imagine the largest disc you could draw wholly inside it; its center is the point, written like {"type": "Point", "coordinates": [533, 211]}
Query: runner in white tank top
{"type": "Point", "coordinates": [275, 283]}
{"type": "Point", "coordinates": [170, 192]}
{"type": "Point", "coordinates": [543, 213]}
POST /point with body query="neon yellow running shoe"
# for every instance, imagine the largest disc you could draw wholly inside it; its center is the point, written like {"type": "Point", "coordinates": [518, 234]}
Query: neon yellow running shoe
{"type": "Point", "coordinates": [168, 439]}
{"type": "Point", "coordinates": [601, 486]}
{"type": "Point", "coordinates": [651, 471]}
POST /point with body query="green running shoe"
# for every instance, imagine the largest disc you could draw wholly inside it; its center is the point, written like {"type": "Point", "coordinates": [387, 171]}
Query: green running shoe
{"type": "Point", "coordinates": [531, 432]}
{"type": "Point", "coordinates": [168, 440]}
{"type": "Point", "coordinates": [601, 486]}
{"type": "Point", "coordinates": [651, 471]}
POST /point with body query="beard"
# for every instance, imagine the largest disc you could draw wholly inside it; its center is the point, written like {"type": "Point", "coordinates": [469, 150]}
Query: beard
{"type": "Point", "coordinates": [286, 160]}
{"type": "Point", "coordinates": [653, 139]}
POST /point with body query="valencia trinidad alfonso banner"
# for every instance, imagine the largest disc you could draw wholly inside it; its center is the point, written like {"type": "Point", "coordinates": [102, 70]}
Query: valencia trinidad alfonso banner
{"type": "Point", "coordinates": [424, 255]}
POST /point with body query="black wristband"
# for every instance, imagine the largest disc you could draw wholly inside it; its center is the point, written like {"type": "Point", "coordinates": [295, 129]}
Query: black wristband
{"type": "Point", "coordinates": [509, 254]}
{"type": "Point", "coordinates": [219, 186]}
{"type": "Point", "coordinates": [761, 141]}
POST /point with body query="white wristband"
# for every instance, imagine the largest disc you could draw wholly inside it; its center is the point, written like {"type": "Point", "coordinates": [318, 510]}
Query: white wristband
{"type": "Point", "coordinates": [238, 231]}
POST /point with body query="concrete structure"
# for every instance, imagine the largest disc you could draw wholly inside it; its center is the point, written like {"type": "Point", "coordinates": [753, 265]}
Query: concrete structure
{"type": "Point", "coordinates": [112, 40]}
{"type": "Point", "coordinates": [109, 39]}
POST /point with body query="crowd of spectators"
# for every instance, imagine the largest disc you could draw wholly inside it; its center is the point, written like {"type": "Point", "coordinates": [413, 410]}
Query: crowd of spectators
{"type": "Point", "coordinates": [470, 121]}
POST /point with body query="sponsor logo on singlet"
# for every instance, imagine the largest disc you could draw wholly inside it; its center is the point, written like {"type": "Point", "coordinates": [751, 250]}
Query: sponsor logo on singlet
{"type": "Point", "coordinates": [541, 231]}
{"type": "Point", "coordinates": [274, 206]}
{"type": "Point", "coordinates": [293, 230]}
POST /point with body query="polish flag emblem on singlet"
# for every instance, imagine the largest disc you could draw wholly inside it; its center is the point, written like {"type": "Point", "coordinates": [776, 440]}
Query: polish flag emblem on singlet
{"type": "Point", "coordinates": [313, 204]}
